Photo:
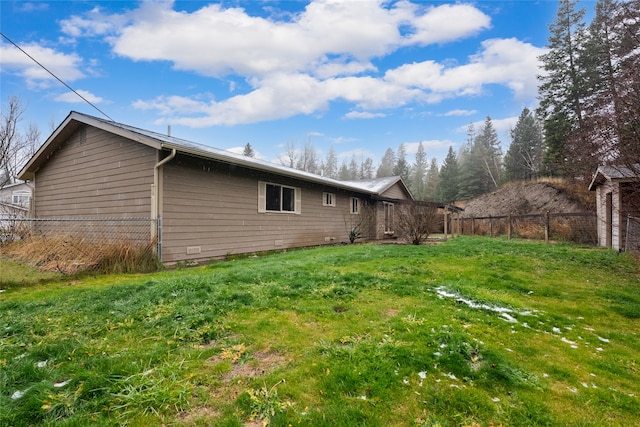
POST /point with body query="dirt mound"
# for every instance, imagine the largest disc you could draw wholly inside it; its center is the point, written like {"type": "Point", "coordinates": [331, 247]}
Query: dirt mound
{"type": "Point", "coordinates": [530, 198]}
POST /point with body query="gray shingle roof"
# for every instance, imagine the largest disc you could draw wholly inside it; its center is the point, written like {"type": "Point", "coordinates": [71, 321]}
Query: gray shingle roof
{"type": "Point", "coordinates": [162, 141]}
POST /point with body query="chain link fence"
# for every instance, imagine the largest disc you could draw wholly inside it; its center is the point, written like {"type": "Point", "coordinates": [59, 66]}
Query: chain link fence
{"type": "Point", "coordinates": [569, 227]}
{"type": "Point", "coordinates": [632, 235]}
{"type": "Point", "coordinates": [70, 245]}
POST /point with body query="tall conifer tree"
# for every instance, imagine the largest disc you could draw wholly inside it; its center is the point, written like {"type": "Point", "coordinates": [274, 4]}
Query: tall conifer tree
{"type": "Point", "coordinates": [563, 87]}
{"type": "Point", "coordinates": [448, 187]}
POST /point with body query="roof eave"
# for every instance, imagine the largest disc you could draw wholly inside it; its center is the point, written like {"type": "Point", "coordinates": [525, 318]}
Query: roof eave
{"type": "Point", "coordinates": [250, 164]}
{"type": "Point", "coordinates": [65, 129]}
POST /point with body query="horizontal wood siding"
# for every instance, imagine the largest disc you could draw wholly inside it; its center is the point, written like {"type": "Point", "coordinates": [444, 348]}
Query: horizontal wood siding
{"type": "Point", "coordinates": [212, 208]}
{"type": "Point", "coordinates": [396, 191]}
{"type": "Point", "coordinates": [96, 174]}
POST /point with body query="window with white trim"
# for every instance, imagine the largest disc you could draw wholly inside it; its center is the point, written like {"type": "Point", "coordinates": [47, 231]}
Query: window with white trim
{"type": "Point", "coordinates": [21, 198]}
{"type": "Point", "coordinates": [354, 205]}
{"type": "Point", "coordinates": [328, 199]}
{"type": "Point", "coordinates": [388, 218]}
{"type": "Point", "coordinates": [278, 198]}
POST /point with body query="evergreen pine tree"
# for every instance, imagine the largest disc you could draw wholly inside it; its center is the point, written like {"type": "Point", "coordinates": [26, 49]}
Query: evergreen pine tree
{"type": "Point", "coordinates": [524, 156]}
{"type": "Point", "coordinates": [354, 170]}
{"type": "Point", "coordinates": [472, 180]}
{"type": "Point", "coordinates": [448, 186]}
{"type": "Point", "coordinates": [330, 168]}
{"type": "Point", "coordinates": [488, 152]}
{"type": "Point", "coordinates": [386, 164]}
{"type": "Point", "coordinates": [343, 174]}
{"type": "Point", "coordinates": [563, 87]}
{"type": "Point", "coordinates": [367, 169]}
{"type": "Point", "coordinates": [248, 151]}
{"type": "Point", "coordinates": [419, 172]}
{"type": "Point", "coordinates": [401, 168]}
{"type": "Point", "coordinates": [432, 181]}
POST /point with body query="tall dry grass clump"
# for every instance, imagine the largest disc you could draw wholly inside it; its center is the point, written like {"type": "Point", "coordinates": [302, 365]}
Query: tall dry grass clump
{"type": "Point", "coordinates": [71, 255]}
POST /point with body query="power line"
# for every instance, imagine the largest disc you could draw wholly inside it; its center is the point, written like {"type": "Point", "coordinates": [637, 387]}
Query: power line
{"type": "Point", "coordinates": [56, 77]}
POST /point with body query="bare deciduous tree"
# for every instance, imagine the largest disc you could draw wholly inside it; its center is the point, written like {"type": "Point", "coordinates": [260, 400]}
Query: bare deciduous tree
{"type": "Point", "coordinates": [416, 220]}
{"type": "Point", "coordinates": [15, 147]}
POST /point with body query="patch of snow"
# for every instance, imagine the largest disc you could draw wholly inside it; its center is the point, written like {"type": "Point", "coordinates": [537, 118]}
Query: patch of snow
{"type": "Point", "coordinates": [61, 384]}
{"type": "Point", "coordinates": [508, 318]}
{"type": "Point", "coordinates": [17, 395]}
{"type": "Point", "coordinates": [599, 349]}
{"type": "Point", "coordinates": [556, 330]}
{"type": "Point", "coordinates": [495, 399]}
{"type": "Point", "coordinates": [422, 374]}
{"type": "Point", "coordinates": [572, 389]}
{"type": "Point", "coordinates": [41, 364]}
{"type": "Point", "coordinates": [443, 293]}
{"type": "Point", "coordinates": [603, 339]}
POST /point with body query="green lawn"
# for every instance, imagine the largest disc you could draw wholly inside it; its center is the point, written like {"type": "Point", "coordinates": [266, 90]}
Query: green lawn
{"type": "Point", "coordinates": [472, 332]}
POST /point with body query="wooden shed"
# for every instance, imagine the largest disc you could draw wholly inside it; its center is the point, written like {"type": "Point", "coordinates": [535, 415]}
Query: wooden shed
{"type": "Point", "coordinates": [210, 202]}
{"type": "Point", "coordinates": [617, 203]}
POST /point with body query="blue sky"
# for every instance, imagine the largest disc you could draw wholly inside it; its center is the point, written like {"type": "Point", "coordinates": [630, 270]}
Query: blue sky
{"type": "Point", "coordinates": [359, 75]}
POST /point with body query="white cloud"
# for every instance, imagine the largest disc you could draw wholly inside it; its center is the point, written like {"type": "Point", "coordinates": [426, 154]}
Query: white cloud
{"type": "Point", "coordinates": [300, 63]}
{"type": "Point", "coordinates": [447, 22]}
{"type": "Point", "coordinates": [502, 61]}
{"type": "Point", "coordinates": [29, 7]}
{"type": "Point", "coordinates": [363, 115]}
{"type": "Point", "coordinates": [328, 38]}
{"type": "Point", "coordinates": [73, 98]}
{"type": "Point", "coordinates": [460, 113]}
{"type": "Point", "coordinates": [64, 66]}
{"type": "Point", "coordinates": [95, 24]}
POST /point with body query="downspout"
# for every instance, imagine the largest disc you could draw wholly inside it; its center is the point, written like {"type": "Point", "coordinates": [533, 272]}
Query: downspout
{"type": "Point", "coordinates": [155, 198]}
{"type": "Point", "coordinates": [32, 200]}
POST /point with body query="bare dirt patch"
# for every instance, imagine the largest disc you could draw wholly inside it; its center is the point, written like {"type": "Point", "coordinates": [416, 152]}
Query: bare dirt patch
{"type": "Point", "coordinates": [531, 198]}
{"type": "Point", "coordinates": [257, 364]}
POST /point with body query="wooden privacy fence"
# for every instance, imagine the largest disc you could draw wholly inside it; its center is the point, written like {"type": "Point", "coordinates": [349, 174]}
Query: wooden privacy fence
{"type": "Point", "coordinates": [571, 227]}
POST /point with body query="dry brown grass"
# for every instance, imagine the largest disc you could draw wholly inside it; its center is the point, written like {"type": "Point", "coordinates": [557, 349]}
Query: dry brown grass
{"type": "Point", "coordinates": [70, 255]}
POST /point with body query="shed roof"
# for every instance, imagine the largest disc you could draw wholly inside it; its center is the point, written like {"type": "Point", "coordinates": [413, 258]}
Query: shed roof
{"type": "Point", "coordinates": [160, 141]}
{"type": "Point", "coordinates": [614, 173]}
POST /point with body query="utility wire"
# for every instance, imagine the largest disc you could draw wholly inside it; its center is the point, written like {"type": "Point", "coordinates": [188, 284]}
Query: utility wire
{"type": "Point", "coordinates": [56, 77]}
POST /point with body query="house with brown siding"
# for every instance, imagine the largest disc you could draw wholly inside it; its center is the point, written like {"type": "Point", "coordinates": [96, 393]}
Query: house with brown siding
{"type": "Point", "coordinates": [209, 202]}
